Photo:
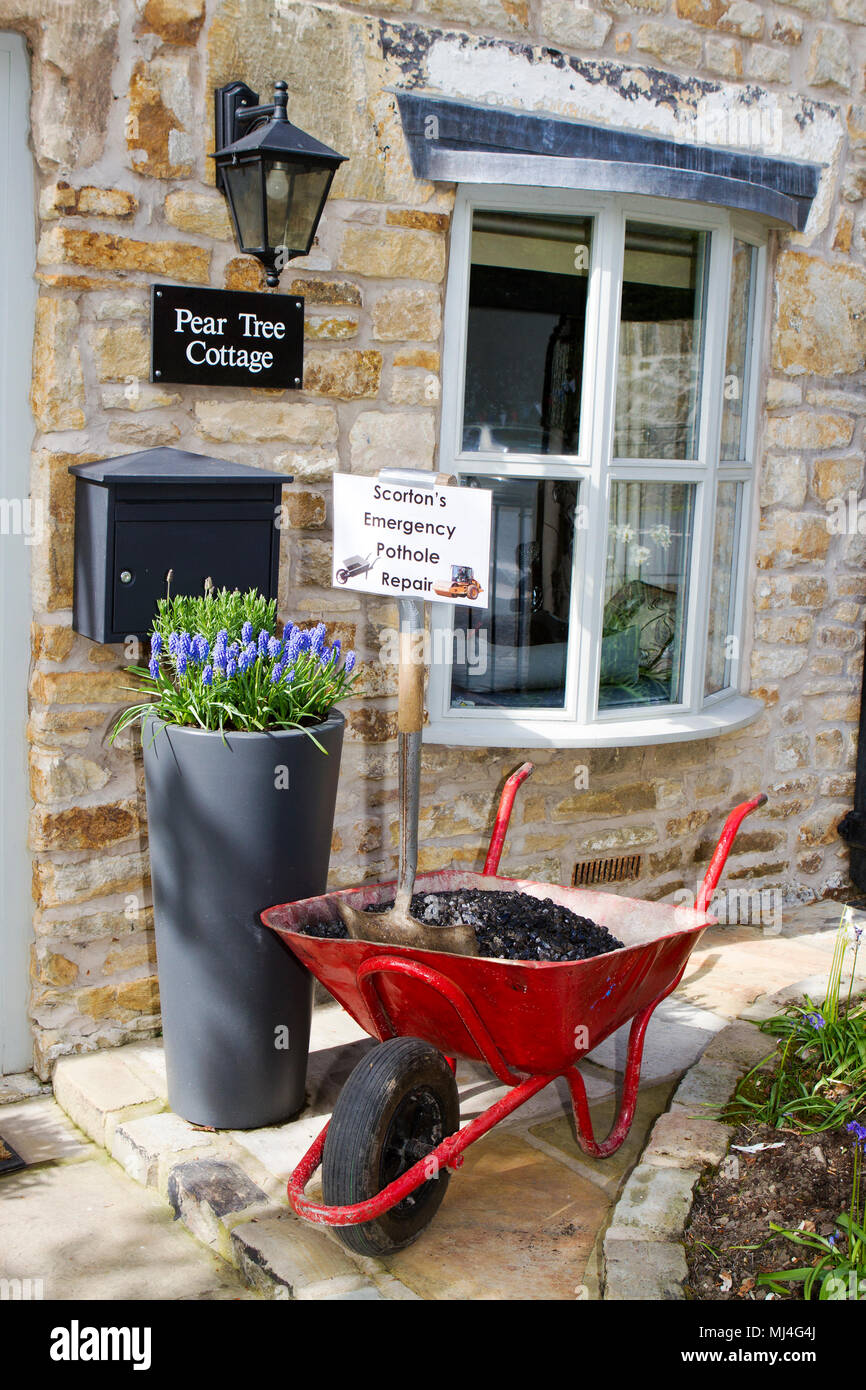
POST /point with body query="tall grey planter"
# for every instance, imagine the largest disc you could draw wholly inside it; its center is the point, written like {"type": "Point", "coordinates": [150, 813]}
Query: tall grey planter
{"type": "Point", "coordinates": [236, 824]}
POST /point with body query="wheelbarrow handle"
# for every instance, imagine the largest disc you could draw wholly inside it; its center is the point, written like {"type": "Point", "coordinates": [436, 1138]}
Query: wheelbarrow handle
{"type": "Point", "coordinates": [503, 815]}
{"type": "Point", "coordinates": [720, 854]}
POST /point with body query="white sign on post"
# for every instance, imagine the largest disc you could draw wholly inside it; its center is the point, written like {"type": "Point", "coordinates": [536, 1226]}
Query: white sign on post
{"type": "Point", "coordinates": [410, 541]}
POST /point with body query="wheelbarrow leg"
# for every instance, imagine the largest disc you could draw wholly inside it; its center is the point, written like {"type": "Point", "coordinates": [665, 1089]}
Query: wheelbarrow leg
{"type": "Point", "coordinates": [631, 1081]}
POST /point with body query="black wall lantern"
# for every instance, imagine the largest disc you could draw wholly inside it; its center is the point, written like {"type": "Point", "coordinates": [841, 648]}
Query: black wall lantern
{"type": "Point", "coordinates": [275, 177]}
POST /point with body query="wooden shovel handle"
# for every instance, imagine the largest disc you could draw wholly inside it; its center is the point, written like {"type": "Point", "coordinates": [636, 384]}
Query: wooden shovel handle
{"type": "Point", "coordinates": [410, 687]}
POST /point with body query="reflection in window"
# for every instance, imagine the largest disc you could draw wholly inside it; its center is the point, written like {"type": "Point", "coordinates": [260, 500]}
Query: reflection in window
{"type": "Point", "coordinates": [515, 652]}
{"type": "Point", "coordinates": [646, 583]}
{"type": "Point", "coordinates": [527, 316]}
{"type": "Point", "coordinates": [660, 342]}
{"type": "Point", "coordinates": [737, 357]}
{"type": "Point", "coordinates": [721, 627]}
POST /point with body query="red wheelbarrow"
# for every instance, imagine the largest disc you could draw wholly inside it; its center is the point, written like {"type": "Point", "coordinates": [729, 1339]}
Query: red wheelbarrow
{"type": "Point", "coordinates": [394, 1135]}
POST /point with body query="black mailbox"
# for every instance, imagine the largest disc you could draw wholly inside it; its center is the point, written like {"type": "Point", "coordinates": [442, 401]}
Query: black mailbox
{"type": "Point", "coordinates": [142, 515]}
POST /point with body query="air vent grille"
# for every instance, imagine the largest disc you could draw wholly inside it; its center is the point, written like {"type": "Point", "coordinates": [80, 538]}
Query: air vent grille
{"type": "Point", "coordinates": [595, 871]}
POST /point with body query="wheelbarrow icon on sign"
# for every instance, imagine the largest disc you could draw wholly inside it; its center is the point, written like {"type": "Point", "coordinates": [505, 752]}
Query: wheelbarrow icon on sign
{"type": "Point", "coordinates": [355, 565]}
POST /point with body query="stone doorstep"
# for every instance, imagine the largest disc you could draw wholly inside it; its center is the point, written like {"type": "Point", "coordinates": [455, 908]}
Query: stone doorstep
{"type": "Point", "coordinates": [221, 1192]}
{"type": "Point", "coordinates": [643, 1257]}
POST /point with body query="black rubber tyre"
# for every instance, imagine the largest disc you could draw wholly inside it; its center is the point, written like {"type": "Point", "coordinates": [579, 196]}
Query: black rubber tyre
{"type": "Point", "coordinates": [398, 1104]}
{"type": "Point", "coordinates": [342, 576]}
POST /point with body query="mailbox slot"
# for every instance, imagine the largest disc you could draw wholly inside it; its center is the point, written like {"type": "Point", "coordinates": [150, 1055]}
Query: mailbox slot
{"type": "Point", "coordinates": [142, 515]}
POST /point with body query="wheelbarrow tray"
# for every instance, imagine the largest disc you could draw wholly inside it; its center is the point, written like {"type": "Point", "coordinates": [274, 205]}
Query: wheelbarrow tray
{"type": "Point", "coordinates": [541, 1016]}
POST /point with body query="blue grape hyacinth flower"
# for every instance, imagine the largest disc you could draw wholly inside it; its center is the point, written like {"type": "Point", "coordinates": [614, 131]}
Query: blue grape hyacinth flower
{"type": "Point", "coordinates": [153, 668]}
{"type": "Point", "coordinates": [231, 667]}
{"type": "Point", "coordinates": [349, 663]}
{"type": "Point", "coordinates": [317, 640]}
{"type": "Point", "coordinates": [247, 657]}
{"type": "Point", "coordinates": [207, 675]}
{"type": "Point", "coordinates": [155, 644]}
{"type": "Point", "coordinates": [264, 639]}
{"type": "Point", "coordinates": [275, 647]}
{"type": "Point", "coordinates": [200, 648]}
{"type": "Point", "coordinates": [247, 633]}
{"type": "Point", "coordinates": [182, 662]}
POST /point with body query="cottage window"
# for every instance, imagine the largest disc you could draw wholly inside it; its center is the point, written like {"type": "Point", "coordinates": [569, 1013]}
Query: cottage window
{"type": "Point", "coordinates": [600, 381]}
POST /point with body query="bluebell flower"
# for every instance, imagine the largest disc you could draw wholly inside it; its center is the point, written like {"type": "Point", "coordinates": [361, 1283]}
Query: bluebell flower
{"type": "Point", "coordinates": [153, 668]}
{"type": "Point", "coordinates": [264, 638]}
{"type": "Point", "coordinates": [859, 1131]}
{"type": "Point", "coordinates": [231, 667]}
{"type": "Point", "coordinates": [816, 1020]}
{"type": "Point", "coordinates": [275, 646]}
{"type": "Point", "coordinates": [200, 648]}
{"type": "Point", "coordinates": [207, 675]}
{"type": "Point", "coordinates": [247, 633]}
{"type": "Point", "coordinates": [349, 663]}
{"type": "Point", "coordinates": [247, 657]}
{"type": "Point", "coordinates": [317, 640]}
{"type": "Point", "coordinates": [155, 644]}
{"type": "Point", "coordinates": [182, 660]}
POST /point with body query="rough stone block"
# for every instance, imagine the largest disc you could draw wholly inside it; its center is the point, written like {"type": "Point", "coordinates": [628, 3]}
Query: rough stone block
{"type": "Point", "coordinates": [289, 1252]}
{"type": "Point", "coordinates": [644, 1270]}
{"type": "Point", "coordinates": [98, 1091]}
{"type": "Point", "coordinates": [679, 1140]}
{"type": "Point", "coordinates": [654, 1205]}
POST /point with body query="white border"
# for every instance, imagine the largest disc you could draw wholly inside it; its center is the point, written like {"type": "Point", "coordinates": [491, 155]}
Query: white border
{"type": "Point", "coordinates": [17, 308]}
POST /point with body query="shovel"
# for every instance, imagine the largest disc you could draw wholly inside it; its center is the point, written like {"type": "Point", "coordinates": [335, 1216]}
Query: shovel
{"type": "Point", "coordinates": [397, 926]}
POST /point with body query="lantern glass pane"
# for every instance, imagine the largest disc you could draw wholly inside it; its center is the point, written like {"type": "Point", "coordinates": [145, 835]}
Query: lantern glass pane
{"type": "Point", "coordinates": [295, 195]}
{"type": "Point", "coordinates": [244, 185]}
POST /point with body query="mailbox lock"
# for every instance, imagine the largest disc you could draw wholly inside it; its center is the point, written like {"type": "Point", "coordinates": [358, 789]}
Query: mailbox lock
{"type": "Point", "coordinates": [126, 576]}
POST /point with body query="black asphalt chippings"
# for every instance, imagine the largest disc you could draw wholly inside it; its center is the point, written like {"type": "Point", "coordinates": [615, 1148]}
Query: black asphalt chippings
{"type": "Point", "coordinates": [508, 925]}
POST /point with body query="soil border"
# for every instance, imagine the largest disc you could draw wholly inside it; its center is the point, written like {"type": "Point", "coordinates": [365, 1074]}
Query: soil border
{"type": "Point", "coordinates": [643, 1256]}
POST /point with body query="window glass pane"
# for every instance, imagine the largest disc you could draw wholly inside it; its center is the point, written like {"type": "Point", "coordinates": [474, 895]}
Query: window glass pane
{"type": "Point", "coordinates": [298, 193]}
{"type": "Point", "coordinates": [245, 186]}
{"type": "Point", "coordinates": [515, 651]}
{"type": "Point", "coordinates": [645, 595]}
{"type": "Point", "coordinates": [720, 632]}
{"type": "Point", "coordinates": [660, 342]}
{"type": "Point", "coordinates": [524, 349]}
{"type": "Point", "coordinates": [737, 357]}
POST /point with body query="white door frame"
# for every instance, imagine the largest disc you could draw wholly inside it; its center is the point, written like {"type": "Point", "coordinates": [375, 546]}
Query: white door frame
{"type": "Point", "coordinates": [17, 533]}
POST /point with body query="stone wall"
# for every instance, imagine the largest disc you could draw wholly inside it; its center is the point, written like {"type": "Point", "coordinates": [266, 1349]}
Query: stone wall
{"type": "Point", "coordinates": [121, 117]}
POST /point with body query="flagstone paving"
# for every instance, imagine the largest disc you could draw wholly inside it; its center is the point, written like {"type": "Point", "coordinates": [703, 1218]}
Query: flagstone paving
{"type": "Point", "coordinates": [526, 1215]}
{"type": "Point", "coordinates": [74, 1222]}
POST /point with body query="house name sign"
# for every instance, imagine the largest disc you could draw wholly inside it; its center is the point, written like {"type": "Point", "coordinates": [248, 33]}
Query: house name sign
{"type": "Point", "coordinates": [226, 337]}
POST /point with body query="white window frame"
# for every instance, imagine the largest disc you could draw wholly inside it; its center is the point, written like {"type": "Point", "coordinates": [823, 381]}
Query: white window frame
{"type": "Point", "coordinates": [579, 724]}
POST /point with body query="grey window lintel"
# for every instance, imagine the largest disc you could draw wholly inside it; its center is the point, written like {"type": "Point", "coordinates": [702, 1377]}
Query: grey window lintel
{"type": "Point", "coordinates": [460, 142]}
